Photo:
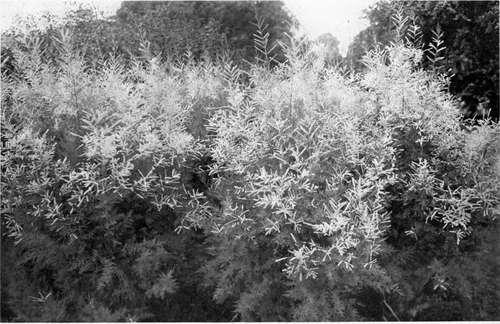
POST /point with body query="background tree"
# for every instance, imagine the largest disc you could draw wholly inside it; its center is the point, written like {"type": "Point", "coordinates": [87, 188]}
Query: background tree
{"type": "Point", "coordinates": [332, 55]}
{"type": "Point", "coordinates": [169, 28]}
{"type": "Point", "coordinates": [198, 26]}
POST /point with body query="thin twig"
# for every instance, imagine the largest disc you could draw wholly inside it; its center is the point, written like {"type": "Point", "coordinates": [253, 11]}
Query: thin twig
{"type": "Point", "coordinates": [392, 312]}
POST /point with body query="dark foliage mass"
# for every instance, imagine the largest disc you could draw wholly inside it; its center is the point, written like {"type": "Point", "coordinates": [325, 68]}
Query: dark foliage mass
{"type": "Point", "coordinates": [470, 35]}
{"type": "Point", "coordinates": [188, 161]}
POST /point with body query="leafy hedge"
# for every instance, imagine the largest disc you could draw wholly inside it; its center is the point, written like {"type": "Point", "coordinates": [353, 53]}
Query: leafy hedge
{"type": "Point", "coordinates": [198, 191]}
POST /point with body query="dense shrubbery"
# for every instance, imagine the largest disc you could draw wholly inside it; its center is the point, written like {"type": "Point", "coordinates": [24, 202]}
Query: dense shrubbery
{"type": "Point", "coordinates": [198, 191]}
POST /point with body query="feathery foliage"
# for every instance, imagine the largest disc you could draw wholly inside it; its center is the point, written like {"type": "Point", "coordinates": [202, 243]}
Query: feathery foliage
{"type": "Point", "coordinates": [186, 190]}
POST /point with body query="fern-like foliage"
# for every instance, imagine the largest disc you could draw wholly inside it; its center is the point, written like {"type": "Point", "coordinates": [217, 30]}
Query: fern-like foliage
{"type": "Point", "coordinates": [262, 45]}
{"type": "Point", "coordinates": [414, 35]}
{"type": "Point", "coordinates": [400, 23]}
{"type": "Point", "coordinates": [436, 48]}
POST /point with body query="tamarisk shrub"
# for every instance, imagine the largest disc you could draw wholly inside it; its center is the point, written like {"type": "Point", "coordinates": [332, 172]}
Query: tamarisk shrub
{"type": "Point", "coordinates": [196, 191]}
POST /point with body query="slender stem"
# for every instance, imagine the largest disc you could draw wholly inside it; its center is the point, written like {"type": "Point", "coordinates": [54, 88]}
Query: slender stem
{"type": "Point", "coordinates": [392, 311]}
